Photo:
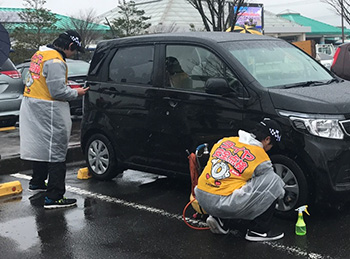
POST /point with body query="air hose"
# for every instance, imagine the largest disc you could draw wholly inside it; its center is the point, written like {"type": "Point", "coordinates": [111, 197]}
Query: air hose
{"type": "Point", "coordinates": [185, 220]}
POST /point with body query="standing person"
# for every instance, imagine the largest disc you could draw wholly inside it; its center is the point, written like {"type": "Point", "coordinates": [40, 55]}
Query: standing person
{"type": "Point", "coordinates": [45, 123]}
{"type": "Point", "coordinates": [239, 182]}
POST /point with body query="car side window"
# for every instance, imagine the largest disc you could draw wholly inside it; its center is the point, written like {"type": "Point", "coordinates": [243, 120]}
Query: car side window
{"type": "Point", "coordinates": [189, 67]}
{"type": "Point", "coordinates": [132, 65]}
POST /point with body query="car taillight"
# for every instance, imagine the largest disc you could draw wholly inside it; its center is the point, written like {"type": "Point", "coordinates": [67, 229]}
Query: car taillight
{"type": "Point", "coordinates": [73, 84]}
{"type": "Point", "coordinates": [12, 73]}
{"type": "Point", "coordinates": [335, 56]}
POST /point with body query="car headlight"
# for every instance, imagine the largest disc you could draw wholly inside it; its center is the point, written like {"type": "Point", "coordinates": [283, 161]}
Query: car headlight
{"type": "Point", "coordinates": [325, 128]}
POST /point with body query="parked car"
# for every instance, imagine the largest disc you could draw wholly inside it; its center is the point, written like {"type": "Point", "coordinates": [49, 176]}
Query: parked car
{"type": "Point", "coordinates": [341, 61]}
{"type": "Point", "coordinates": [77, 72]}
{"type": "Point", "coordinates": [11, 93]}
{"type": "Point", "coordinates": [135, 117]}
{"type": "Point", "coordinates": [325, 59]}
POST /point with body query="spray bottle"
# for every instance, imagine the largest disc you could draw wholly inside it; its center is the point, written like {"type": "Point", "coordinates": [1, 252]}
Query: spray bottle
{"type": "Point", "coordinates": [300, 226]}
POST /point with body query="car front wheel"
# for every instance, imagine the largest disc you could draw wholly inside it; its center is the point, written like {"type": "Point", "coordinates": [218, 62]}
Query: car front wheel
{"type": "Point", "coordinates": [297, 191]}
{"type": "Point", "coordinates": [100, 157]}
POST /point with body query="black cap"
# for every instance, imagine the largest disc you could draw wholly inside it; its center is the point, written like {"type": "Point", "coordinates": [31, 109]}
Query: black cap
{"type": "Point", "coordinates": [272, 129]}
{"type": "Point", "coordinates": [74, 37]}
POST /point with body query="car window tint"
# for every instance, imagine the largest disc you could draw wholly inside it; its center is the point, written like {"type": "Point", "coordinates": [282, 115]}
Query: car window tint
{"type": "Point", "coordinates": [189, 67]}
{"type": "Point", "coordinates": [132, 65]}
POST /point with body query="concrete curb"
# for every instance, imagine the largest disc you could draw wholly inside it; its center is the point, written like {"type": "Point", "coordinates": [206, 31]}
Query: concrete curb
{"type": "Point", "coordinates": [14, 164]}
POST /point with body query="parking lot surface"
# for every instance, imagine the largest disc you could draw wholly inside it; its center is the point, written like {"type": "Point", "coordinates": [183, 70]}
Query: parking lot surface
{"type": "Point", "coordinates": [139, 215]}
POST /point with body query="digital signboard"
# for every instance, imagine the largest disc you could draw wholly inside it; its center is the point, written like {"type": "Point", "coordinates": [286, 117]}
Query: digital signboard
{"type": "Point", "coordinates": [252, 15]}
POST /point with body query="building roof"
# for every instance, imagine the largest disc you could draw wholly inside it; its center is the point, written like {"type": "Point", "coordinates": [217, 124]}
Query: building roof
{"type": "Point", "coordinates": [275, 24]}
{"type": "Point", "coordinates": [317, 28]}
{"type": "Point", "coordinates": [180, 14]}
{"type": "Point", "coordinates": [10, 17]}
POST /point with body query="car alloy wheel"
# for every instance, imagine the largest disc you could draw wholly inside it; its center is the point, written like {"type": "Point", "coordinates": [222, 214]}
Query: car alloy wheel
{"type": "Point", "coordinates": [296, 188]}
{"type": "Point", "coordinates": [292, 187]}
{"type": "Point", "coordinates": [98, 156]}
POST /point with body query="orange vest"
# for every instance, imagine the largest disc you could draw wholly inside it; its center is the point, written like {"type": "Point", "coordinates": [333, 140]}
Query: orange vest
{"type": "Point", "coordinates": [230, 166]}
{"type": "Point", "coordinates": [36, 86]}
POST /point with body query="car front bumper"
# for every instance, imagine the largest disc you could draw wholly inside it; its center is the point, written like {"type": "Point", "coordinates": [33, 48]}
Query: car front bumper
{"type": "Point", "coordinates": [328, 161]}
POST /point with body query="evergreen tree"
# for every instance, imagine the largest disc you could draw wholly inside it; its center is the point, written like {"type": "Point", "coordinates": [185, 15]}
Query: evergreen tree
{"type": "Point", "coordinates": [38, 29]}
{"type": "Point", "coordinates": [131, 21]}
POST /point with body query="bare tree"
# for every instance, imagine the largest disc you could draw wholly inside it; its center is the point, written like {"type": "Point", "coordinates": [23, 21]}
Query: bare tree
{"type": "Point", "coordinates": [341, 7]}
{"type": "Point", "coordinates": [86, 24]}
{"type": "Point", "coordinates": [218, 15]}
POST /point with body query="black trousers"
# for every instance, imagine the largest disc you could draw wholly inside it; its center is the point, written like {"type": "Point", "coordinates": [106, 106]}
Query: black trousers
{"type": "Point", "coordinates": [263, 223]}
{"type": "Point", "coordinates": [56, 172]}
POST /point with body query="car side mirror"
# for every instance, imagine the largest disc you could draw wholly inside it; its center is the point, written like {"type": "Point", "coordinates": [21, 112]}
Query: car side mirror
{"type": "Point", "coordinates": [217, 86]}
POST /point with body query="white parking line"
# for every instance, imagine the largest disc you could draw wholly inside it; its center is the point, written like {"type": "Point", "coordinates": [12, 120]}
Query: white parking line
{"type": "Point", "coordinates": [291, 250]}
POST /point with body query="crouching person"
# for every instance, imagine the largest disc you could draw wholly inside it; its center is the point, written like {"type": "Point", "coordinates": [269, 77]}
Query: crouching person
{"type": "Point", "coordinates": [239, 183]}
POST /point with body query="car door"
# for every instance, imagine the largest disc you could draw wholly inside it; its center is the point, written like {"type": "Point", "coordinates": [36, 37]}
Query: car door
{"type": "Point", "coordinates": [186, 115]}
{"type": "Point", "coordinates": [125, 98]}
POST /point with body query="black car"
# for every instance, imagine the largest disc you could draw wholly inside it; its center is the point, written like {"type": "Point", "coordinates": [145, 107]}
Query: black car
{"type": "Point", "coordinates": [143, 113]}
{"type": "Point", "coordinates": [77, 72]}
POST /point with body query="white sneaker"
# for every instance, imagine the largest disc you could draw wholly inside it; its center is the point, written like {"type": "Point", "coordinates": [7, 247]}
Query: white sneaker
{"type": "Point", "coordinates": [269, 236]}
{"type": "Point", "coordinates": [216, 226]}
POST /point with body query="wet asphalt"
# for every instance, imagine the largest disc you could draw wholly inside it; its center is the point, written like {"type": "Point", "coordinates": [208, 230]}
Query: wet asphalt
{"type": "Point", "coordinates": [139, 215]}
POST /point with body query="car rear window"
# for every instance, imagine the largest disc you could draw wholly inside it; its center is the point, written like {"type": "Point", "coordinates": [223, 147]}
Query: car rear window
{"type": "Point", "coordinates": [132, 64]}
{"type": "Point", "coordinates": [8, 65]}
{"type": "Point", "coordinates": [78, 68]}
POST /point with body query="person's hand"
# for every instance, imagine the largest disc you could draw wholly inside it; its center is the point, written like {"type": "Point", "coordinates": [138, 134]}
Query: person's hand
{"type": "Point", "coordinates": [82, 91]}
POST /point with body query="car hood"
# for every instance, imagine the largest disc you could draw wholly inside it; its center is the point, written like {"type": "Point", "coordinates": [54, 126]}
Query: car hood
{"type": "Point", "coordinates": [328, 99]}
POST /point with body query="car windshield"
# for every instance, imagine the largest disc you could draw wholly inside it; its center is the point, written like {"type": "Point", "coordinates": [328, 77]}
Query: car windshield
{"type": "Point", "coordinates": [78, 68]}
{"type": "Point", "coordinates": [277, 63]}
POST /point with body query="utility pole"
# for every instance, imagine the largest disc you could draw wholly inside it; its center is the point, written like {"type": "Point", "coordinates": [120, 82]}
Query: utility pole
{"type": "Point", "coordinates": [342, 21]}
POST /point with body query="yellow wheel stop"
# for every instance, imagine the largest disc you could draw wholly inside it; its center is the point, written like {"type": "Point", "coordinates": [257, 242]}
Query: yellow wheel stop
{"type": "Point", "coordinates": [83, 173]}
{"type": "Point", "coordinates": [10, 188]}
{"type": "Point", "coordinates": [7, 128]}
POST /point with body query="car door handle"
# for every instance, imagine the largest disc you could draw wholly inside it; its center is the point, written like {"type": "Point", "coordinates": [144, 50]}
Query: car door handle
{"type": "Point", "coordinates": [110, 90]}
{"type": "Point", "coordinates": [172, 101]}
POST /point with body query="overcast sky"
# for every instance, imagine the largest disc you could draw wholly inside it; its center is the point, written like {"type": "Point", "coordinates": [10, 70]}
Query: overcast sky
{"type": "Point", "coordinates": [315, 9]}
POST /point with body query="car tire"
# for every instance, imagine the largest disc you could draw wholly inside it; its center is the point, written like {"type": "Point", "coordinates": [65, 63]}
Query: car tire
{"type": "Point", "coordinates": [296, 186]}
{"type": "Point", "coordinates": [100, 158]}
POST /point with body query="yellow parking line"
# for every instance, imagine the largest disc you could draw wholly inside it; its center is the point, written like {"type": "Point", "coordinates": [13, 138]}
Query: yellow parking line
{"type": "Point", "coordinates": [7, 128]}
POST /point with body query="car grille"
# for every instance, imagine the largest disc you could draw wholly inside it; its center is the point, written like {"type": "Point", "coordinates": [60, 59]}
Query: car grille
{"type": "Point", "coordinates": [346, 126]}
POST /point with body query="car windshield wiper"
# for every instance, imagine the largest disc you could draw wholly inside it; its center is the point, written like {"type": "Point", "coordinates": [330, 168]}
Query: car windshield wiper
{"type": "Point", "coordinates": [307, 83]}
{"type": "Point", "coordinates": [333, 80]}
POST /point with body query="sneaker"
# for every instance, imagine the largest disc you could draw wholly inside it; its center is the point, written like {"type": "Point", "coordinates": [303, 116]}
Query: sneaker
{"type": "Point", "coordinates": [216, 226]}
{"type": "Point", "coordinates": [37, 188]}
{"type": "Point", "coordinates": [256, 236]}
{"type": "Point", "coordinates": [62, 203]}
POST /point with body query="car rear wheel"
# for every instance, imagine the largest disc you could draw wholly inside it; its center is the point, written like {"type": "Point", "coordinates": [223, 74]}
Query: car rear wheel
{"type": "Point", "coordinates": [100, 157]}
{"type": "Point", "coordinates": [297, 191]}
